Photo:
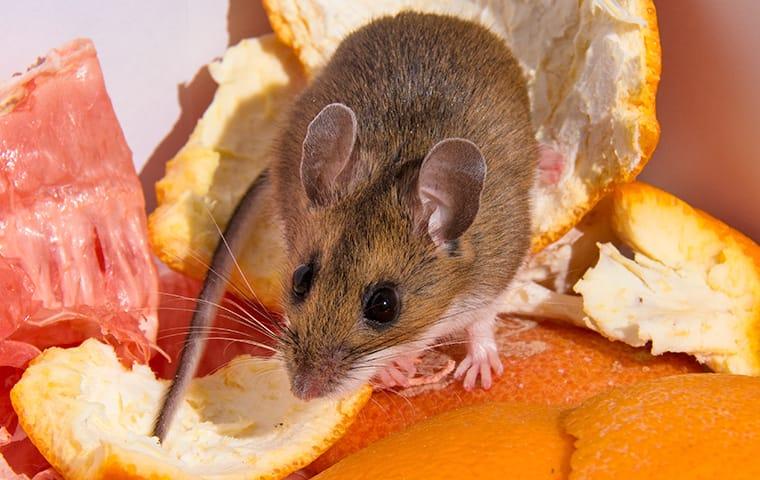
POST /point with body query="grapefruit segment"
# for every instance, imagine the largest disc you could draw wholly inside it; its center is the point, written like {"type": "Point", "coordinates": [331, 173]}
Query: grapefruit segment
{"type": "Point", "coordinates": [73, 226]}
{"type": "Point", "coordinates": [74, 259]}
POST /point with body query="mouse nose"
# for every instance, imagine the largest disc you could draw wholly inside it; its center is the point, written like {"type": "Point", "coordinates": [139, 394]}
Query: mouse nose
{"type": "Point", "coordinates": [308, 387]}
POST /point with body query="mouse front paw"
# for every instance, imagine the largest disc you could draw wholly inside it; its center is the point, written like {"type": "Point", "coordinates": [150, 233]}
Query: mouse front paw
{"type": "Point", "coordinates": [398, 373]}
{"type": "Point", "coordinates": [482, 360]}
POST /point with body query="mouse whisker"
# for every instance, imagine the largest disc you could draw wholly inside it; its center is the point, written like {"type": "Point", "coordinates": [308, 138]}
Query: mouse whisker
{"type": "Point", "coordinates": [243, 361]}
{"type": "Point", "coordinates": [379, 405]}
{"type": "Point", "coordinates": [194, 255]}
{"type": "Point", "coordinates": [395, 392]}
{"type": "Point", "coordinates": [242, 320]}
{"type": "Point", "coordinates": [221, 315]}
{"type": "Point", "coordinates": [244, 341]}
{"type": "Point", "coordinates": [229, 251]}
{"type": "Point", "coordinates": [228, 280]}
{"type": "Point", "coordinates": [178, 331]}
{"type": "Point", "coordinates": [245, 313]}
{"type": "Point", "coordinates": [192, 310]}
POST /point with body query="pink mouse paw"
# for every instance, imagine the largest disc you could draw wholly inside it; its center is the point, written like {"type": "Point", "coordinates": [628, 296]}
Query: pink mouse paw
{"type": "Point", "coordinates": [482, 360]}
{"type": "Point", "coordinates": [397, 373]}
{"type": "Point", "coordinates": [551, 164]}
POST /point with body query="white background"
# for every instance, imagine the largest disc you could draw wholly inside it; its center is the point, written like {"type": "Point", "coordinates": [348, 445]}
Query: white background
{"type": "Point", "coordinates": [153, 54]}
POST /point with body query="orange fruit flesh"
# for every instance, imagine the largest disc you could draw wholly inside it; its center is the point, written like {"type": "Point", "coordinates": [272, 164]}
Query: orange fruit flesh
{"type": "Point", "coordinates": [703, 426]}
{"type": "Point", "coordinates": [543, 364]}
{"type": "Point", "coordinates": [493, 440]}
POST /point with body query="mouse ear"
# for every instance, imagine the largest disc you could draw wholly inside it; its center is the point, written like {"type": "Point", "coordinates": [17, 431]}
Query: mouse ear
{"type": "Point", "coordinates": [327, 152]}
{"type": "Point", "coordinates": [449, 187]}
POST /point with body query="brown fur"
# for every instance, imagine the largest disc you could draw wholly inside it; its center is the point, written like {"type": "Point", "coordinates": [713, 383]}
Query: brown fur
{"type": "Point", "coordinates": [412, 80]}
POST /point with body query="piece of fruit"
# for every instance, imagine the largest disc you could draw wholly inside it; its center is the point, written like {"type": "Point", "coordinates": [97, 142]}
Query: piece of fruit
{"type": "Point", "coordinates": [91, 418]}
{"type": "Point", "coordinates": [543, 364]}
{"type": "Point", "coordinates": [592, 68]}
{"type": "Point", "coordinates": [493, 440]}
{"type": "Point", "coordinates": [229, 147]}
{"type": "Point", "coordinates": [74, 257]}
{"type": "Point", "coordinates": [703, 426]}
{"type": "Point", "coordinates": [693, 284]}
{"type": "Point", "coordinates": [73, 230]}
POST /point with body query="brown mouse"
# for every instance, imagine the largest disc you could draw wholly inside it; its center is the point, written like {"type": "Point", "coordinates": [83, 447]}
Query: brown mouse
{"type": "Point", "coordinates": [403, 175]}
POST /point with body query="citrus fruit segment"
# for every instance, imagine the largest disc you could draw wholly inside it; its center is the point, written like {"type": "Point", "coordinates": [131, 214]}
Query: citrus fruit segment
{"type": "Point", "coordinates": [91, 419]}
{"type": "Point", "coordinates": [73, 232]}
{"type": "Point", "coordinates": [493, 440]}
{"type": "Point", "coordinates": [592, 70]}
{"type": "Point", "coordinates": [693, 284]}
{"type": "Point", "coordinates": [698, 426]}
{"type": "Point", "coordinates": [229, 147]}
{"type": "Point", "coordinates": [543, 364]}
{"type": "Point", "coordinates": [74, 256]}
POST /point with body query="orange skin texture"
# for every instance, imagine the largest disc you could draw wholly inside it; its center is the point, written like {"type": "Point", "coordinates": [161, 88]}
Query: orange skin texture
{"type": "Point", "coordinates": [695, 426]}
{"type": "Point", "coordinates": [701, 426]}
{"type": "Point", "coordinates": [574, 365]}
{"type": "Point", "coordinates": [488, 441]}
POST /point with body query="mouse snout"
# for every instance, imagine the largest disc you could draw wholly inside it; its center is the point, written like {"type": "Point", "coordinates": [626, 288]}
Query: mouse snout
{"type": "Point", "coordinates": [310, 379]}
{"type": "Point", "coordinates": [308, 386]}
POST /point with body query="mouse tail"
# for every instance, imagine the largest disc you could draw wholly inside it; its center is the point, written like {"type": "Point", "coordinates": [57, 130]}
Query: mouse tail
{"type": "Point", "coordinates": [214, 286]}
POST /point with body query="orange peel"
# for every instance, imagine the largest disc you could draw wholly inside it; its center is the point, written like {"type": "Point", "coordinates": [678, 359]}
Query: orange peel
{"type": "Point", "coordinates": [684, 426]}
{"type": "Point", "coordinates": [91, 418]}
{"type": "Point", "coordinates": [489, 441]}
{"type": "Point", "coordinates": [696, 426]}
{"type": "Point", "coordinates": [544, 364]}
{"type": "Point", "coordinates": [693, 284]}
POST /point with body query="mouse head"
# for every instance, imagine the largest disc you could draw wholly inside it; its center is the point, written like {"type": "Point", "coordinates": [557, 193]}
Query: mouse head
{"type": "Point", "coordinates": [380, 253]}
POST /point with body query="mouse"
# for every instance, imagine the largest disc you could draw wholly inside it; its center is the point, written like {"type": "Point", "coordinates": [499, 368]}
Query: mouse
{"type": "Point", "coordinates": [403, 177]}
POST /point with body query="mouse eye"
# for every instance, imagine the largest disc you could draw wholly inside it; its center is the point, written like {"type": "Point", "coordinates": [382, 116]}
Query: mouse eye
{"type": "Point", "coordinates": [382, 306]}
{"type": "Point", "coordinates": [302, 280]}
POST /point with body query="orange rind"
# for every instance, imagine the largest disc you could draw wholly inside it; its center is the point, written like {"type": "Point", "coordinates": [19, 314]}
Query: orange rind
{"type": "Point", "coordinates": [544, 364]}
{"type": "Point", "coordinates": [695, 426]}
{"type": "Point", "coordinates": [692, 284]}
{"type": "Point", "coordinates": [228, 149]}
{"type": "Point", "coordinates": [91, 418]}
{"type": "Point", "coordinates": [698, 426]}
{"type": "Point", "coordinates": [489, 441]}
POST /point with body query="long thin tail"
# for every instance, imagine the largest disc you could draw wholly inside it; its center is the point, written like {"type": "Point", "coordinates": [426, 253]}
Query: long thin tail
{"type": "Point", "coordinates": [213, 290]}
